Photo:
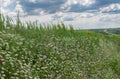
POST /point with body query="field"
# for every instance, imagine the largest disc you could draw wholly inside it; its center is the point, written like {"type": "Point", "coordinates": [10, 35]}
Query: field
{"type": "Point", "coordinates": [36, 51]}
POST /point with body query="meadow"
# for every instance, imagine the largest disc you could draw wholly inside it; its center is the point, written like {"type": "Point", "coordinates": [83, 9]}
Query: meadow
{"type": "Point", "coordinates": [38, 51]}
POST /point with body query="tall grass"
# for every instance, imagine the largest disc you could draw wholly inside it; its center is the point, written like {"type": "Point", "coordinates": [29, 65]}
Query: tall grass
{"type": "Point", "coordinates": [39, 51]}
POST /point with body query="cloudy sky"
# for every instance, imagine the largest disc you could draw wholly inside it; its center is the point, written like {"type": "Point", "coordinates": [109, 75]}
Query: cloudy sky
{"type": "Point", "coordinates": [82, 14]}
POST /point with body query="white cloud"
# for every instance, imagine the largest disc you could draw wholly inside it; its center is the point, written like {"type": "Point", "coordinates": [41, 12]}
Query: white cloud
{"type": "Point", "coordinates": [79, 20]}
{"type": "Point", "coordinates": [69, 3]}
{"type": "Point", "coordinates": [111, 7]}
{"type": "Point", "coordinates": [87, 2]}
{"type": "Point", "coordinates": [17, 8]}
{"type": "Point", "coordinates": [41, 19]}
{"type": "Point", "coordinates": [39, 11]}
{"type": "Point", "coordinates": [4, 4]}
{"type": "Point", "coordinates": [86, 15]}
{"type": "Point", "coordinates": [58, 16]}
{"type": "Point", "coordinates": [34, 1]}
{"type": "Point", "coordinates": [4, 11]}
{"type": "Point", "coordinates": [81, 2]}
{"type": "Point", "coordinates": [111, 18]}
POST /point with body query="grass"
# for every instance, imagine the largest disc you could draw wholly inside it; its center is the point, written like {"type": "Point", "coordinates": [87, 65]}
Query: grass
{"type": "Point", "coordinates": [56, 52]}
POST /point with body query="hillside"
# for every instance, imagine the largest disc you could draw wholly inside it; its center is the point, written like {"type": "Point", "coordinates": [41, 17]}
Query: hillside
{"type": "Point", "coordinates": [108, 31]}
{"type": "Point", "coordinates": [55, 52]}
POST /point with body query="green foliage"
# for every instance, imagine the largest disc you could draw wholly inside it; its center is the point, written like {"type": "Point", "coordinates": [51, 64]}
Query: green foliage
{"type": "Point", "coordinates": [56, 52]}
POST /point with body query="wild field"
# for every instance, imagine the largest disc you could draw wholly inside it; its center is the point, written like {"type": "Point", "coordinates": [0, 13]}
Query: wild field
{"type": "Point", "coordinates": [36, 51]}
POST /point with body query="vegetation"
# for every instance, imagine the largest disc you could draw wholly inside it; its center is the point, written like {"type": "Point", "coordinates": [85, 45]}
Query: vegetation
{"type": "Point", "coordinates": [35, 51]}
{"type": "Point", "coordinates": [108, 31]}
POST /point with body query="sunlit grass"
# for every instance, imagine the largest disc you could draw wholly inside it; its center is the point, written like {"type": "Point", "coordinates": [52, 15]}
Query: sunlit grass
{"type": "Point", "coordinates": [56, 52]}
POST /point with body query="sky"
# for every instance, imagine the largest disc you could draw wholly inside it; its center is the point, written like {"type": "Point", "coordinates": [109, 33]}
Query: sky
{"type": "Point", "coordinates": [82, 14]}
